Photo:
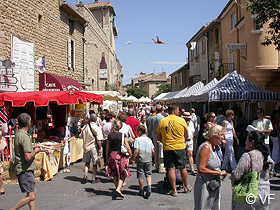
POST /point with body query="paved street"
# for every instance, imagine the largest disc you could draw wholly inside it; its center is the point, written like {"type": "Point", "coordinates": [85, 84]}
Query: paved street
{"type": "Point", "coordinates": [66, 192]}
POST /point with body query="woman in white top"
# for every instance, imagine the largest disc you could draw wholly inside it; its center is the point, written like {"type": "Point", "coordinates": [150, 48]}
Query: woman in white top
{"type": "Point", "coordinates": [126, 129]}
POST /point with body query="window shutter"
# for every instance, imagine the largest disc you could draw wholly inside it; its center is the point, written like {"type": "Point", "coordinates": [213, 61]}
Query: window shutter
{"type": "Point", "coordinates": [69, 54]}
{"type": "Point", "coordinates": [74, 55]}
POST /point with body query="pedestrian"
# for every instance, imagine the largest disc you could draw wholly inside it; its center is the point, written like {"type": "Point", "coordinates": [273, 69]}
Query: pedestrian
{"type": "Point", "coordinates": [172, 132]}
{"type": "Point", "coordinates": [264, 126]}
{"type": "Point", "coordinates": [196, 122]}
{"type": "Point", "coordinates": [117, 165]}
{"type": "Point", "coordinates": [143, 120]}
{"type": "Point", "coordinates": [256, 160]}
{"type": "Point", "coordinates": [220, 116]}
{"type": "Point", "coordinates": [209, 171]}
{"type": "Point", "coordinates": [149, 121]}
{"type": "Point", "coordinates": [132, 121]}
{"type": "Point", "coordinates": [143, 153]}
{"type": "Point", "coordinates": [106, 129]}
{"type": "Point", "coordinates": [92, 137]}
{"type": "Point", "coordinates": [25, 162]}
{"type": "Point", "coordinates": [274, 136]}
{"type": "Point", "coordinates": [154, 124]}
{"type": "Point", "coordinates": [229, 156]}
{"type": "Point", "coordinates": [126, 129]}
{"type": "Point", "coordinates": [190, 140]}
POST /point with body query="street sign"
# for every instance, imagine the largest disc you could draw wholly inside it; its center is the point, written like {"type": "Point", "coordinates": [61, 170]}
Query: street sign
{"type": "Point", "coordinates": [9, 80]}
{"type": "Point", "coordinates": [238, 46]}
{"type": "Point", "coordinates": [8, 88]}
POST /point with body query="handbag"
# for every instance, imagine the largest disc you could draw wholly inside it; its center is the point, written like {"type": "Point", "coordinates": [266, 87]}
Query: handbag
{"type": "Point", "coordinates": [123, 148]}
{"type": "Point", "coordinates": [100, 161]}
{"type": "Point", "coordinates": [213, 184]}
{"type": "Point", "coordinates": [3, 144]}
{"type": "Point", "coordinates": [130, 140]}
{"type": "Point", "coordinates": [248, 184]}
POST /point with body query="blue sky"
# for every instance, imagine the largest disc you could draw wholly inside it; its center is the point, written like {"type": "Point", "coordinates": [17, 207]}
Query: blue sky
{"type": "Point", "coordinates": [174, 21]}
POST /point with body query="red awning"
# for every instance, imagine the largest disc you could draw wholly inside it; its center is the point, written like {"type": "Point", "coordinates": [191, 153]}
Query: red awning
{"type": "Point", "coordinates": [51, 82]}
{"type": "Point", "coordinates": [42, 98]}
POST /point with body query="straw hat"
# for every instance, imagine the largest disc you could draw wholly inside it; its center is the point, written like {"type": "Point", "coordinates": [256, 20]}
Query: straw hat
{"type": "Point", "coordinates": [187, 115]}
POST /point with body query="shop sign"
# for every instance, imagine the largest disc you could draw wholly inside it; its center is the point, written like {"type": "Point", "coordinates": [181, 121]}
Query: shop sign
{"type": "Point", "coordinates": [103, 74]}
{"type": "Point", "coordinates": [6, 71]}
{"type": "Point", "coordinates": [8, 80]}
{"type": "Point", "coordinates": [8, 88]}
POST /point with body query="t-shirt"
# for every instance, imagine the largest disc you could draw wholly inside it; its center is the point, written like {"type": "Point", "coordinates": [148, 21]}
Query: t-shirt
{"type": "Point", "coordinates": [134, 123]}
{"type": "Point", "coordinates": [264, 124]}
{"type": "Point", "coordinates": [148, 124]}
{"type": "Point", "coordinates": [145, 146]}
{"type": "Point", "coordinates": [87, 135]}
{"type": "Point", "coordinates": [155, 121]}
{"type": "Point", "coordinates": [191, 130]}
{"type": "Point", "coordinates": [172, 129]}
{"type": "Point", "coordinates": [106, 129]}
{"type": "Point", "coordinates": [23, 145]}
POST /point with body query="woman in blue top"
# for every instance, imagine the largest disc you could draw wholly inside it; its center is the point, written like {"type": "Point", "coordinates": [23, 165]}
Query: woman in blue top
{"type": "Point", "coordinates": [229, 156]}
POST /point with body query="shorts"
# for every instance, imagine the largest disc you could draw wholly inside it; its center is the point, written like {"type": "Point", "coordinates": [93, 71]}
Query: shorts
{"type": "Point", "coordinates": [26, 181]}
{"type": "Point", "coordinates": [189, 145]}
{"type": "Point", "coordinates": [91, 156]}
{"type": "Point", "coordinates": [1, 169]}
{"type": "Point", "coordinates": [175, 158]}
{"type": "Point", "coordinates": [144, 170]}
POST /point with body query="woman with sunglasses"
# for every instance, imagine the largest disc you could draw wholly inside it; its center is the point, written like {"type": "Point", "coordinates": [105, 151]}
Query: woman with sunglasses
{"type": "Point", "coordinates": [256, 160]}
{"type": "Point", "coordinates": [229, 156]}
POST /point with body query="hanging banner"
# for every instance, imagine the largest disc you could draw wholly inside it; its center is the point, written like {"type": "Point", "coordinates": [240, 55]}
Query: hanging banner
{"type": "Point", "coordinates": [103, 74]}
{"type": "Point", "coordinates": [23, 57]}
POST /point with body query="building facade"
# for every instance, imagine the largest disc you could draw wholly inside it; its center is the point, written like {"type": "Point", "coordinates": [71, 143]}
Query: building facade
{"type": "Point", "coordinates": [99, 39]}
{"type": "Point", "coordinates": [180, 78]}
{"type": "Point", "coordinates": [46, 28]}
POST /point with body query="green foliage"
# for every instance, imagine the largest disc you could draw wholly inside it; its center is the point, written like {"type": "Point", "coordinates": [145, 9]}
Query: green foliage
{"type": "Point", "coordinates": [138, 93]}
{"type": "Point", "coordinates": [163, 88]}
{"type": "Point", "coordinates": [267, 11]}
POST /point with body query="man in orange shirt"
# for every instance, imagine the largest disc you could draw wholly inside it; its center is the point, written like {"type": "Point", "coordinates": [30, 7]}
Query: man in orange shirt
{"type": "Point", "coordinates": [172, 132]}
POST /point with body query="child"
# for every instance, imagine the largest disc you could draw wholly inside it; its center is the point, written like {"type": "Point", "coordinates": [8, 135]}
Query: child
{"type": "Point", "coordinates": [143, 151]}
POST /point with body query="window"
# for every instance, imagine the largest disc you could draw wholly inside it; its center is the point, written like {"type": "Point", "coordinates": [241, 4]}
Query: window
{"type": "Point", "coordinates": [40, 24]}
{"type": "Point", "coordinates": [71, 27]}
{"type": "Point", "coordinates": [197, 69]}
{"type": "Point", "coordinates": [176, 80]}
{"type": "Point", "coordinates": [71, 54]}
{"type": "Point", "coordinates": [233, 21]}
{"type": "Point", "coordinates": [197, 49]}
{"type": "Point", "coordinates": [257, 25]}
{"type": "Point", "coordinates": [217, 36]}
{"type": "Point", "coordinates": [203, 46]}
{"type": "Point", "coordinates": [191, 54]}
{"type": "Point", "coordinates": [181, 78]}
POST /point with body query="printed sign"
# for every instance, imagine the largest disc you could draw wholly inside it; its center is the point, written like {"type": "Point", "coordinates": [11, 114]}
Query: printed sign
{"type": "Point", "coordinates": [103, 74]}
{"type": "Point", "coordinates": [23, 57]}
{"type": "Point", "coordinates": [8, 88]}
{"type": "Point", "coordinates": [238, 46]}
{"type": "Point", "coordinates": [9, 80]}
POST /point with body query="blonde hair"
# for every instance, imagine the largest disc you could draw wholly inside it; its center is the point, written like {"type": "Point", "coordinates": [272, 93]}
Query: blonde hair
{"type": "Point", "coordinates": [213, 131]}
{"type": "Point", "coordinates": [116, 125]}
{"type": "Point", "coordinates": [229, 112]}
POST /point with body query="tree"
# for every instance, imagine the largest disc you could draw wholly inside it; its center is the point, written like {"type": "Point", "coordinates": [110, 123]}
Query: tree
{"type": "Point", "coordinates": [138, 93]}
{"type": "Point", "coordinates": [163, 88]}
{"type": "Point", "coordinates": [267, 11]}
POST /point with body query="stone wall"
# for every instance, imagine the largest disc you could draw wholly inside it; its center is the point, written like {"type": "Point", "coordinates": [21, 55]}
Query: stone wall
{"type": "Point", "coordinates": [20, 18]}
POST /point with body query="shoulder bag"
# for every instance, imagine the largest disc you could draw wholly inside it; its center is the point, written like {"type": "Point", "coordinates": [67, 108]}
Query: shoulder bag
{"type": "Point", "coordinates": [213, 184]}
{"type": "Point", "coordinates": [248, 184]}
{"type": "Point", "coordinates": [123, 148]}
{"type": "Point", "coordinates": [91, 144]}
{"type": "Point", "coordinates": [130, 140]}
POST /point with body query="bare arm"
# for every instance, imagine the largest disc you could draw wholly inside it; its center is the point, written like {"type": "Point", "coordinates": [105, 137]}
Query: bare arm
{"type": "Point", "coordinates": [135, 154]}
{"type": "Point", "coordinates": [153, 152]}
{"type": "Point", "coordinates": [30, 155]}
{"type": "Point", "coordinates": [186, 135]}
{"type": "Point", "coordinates": [131, 133]}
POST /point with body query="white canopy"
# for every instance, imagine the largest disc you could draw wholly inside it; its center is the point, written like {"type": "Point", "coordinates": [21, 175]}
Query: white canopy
{"type": "Point", "coordinates": [160, 96]}
{"type": "Point", "coordinates": [107, 95]}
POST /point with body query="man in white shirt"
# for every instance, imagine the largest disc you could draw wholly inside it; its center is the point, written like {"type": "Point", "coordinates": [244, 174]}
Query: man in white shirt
{"type": "Point", "coordinates": [264, 126]}
{"type": "Point", "coordinates": [92, 136]}
{"type": "Point", "coordinates": [190, 140]}
{"type": "Point", "coordinates": [196, 122]}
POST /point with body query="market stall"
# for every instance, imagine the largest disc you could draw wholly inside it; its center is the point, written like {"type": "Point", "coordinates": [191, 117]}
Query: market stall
{"type": "Point", "coordinates": [52, 115]}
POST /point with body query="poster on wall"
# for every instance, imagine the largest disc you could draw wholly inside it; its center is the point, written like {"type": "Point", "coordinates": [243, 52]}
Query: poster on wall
{"type": "Point", "coordinates": [103, 74]}
{"type": "Point", "coordinates": [23, 57]}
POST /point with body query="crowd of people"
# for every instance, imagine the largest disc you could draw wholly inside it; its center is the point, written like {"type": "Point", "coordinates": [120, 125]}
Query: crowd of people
{"type": "Point", "coordinates": [168, 138]}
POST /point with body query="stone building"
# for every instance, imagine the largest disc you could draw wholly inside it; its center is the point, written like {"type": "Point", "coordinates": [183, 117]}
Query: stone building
{"type": "Point", "coordinates": [180, 78]}
{"type": "Point", "coordinates": [48, 28]}
{"type": "Point", "coordinates": [99, 39]}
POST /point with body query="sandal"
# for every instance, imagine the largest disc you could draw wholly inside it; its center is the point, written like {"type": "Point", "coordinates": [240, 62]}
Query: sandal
{"type": "Point", "coordinates": [173, 193]}
{"type": "Point", "coordinates": [2, 193]}
{"type": "Point", "coordinates": [187, 189]}
{"type": "Point", "coordinates": [119, 194]}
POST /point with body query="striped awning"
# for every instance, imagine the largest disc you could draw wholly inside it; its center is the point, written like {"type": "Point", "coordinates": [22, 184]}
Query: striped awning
{"type": "Point", "coordinates": [160, 96]}
{"type": "Point", "coordinates": [189, 92]}
{"type": "Point", "coordinates": [235, 87]}
{"type": "Point", "coordinates": [169, 96]}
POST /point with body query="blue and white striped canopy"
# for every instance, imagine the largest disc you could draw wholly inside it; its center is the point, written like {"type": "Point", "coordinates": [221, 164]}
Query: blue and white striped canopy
{"type": "Point", "coordinates": [169, 96]}
{"type": "Point", "coordinates": [234, 87]}
{"type": "Point", "coordinates": [188, 92]}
